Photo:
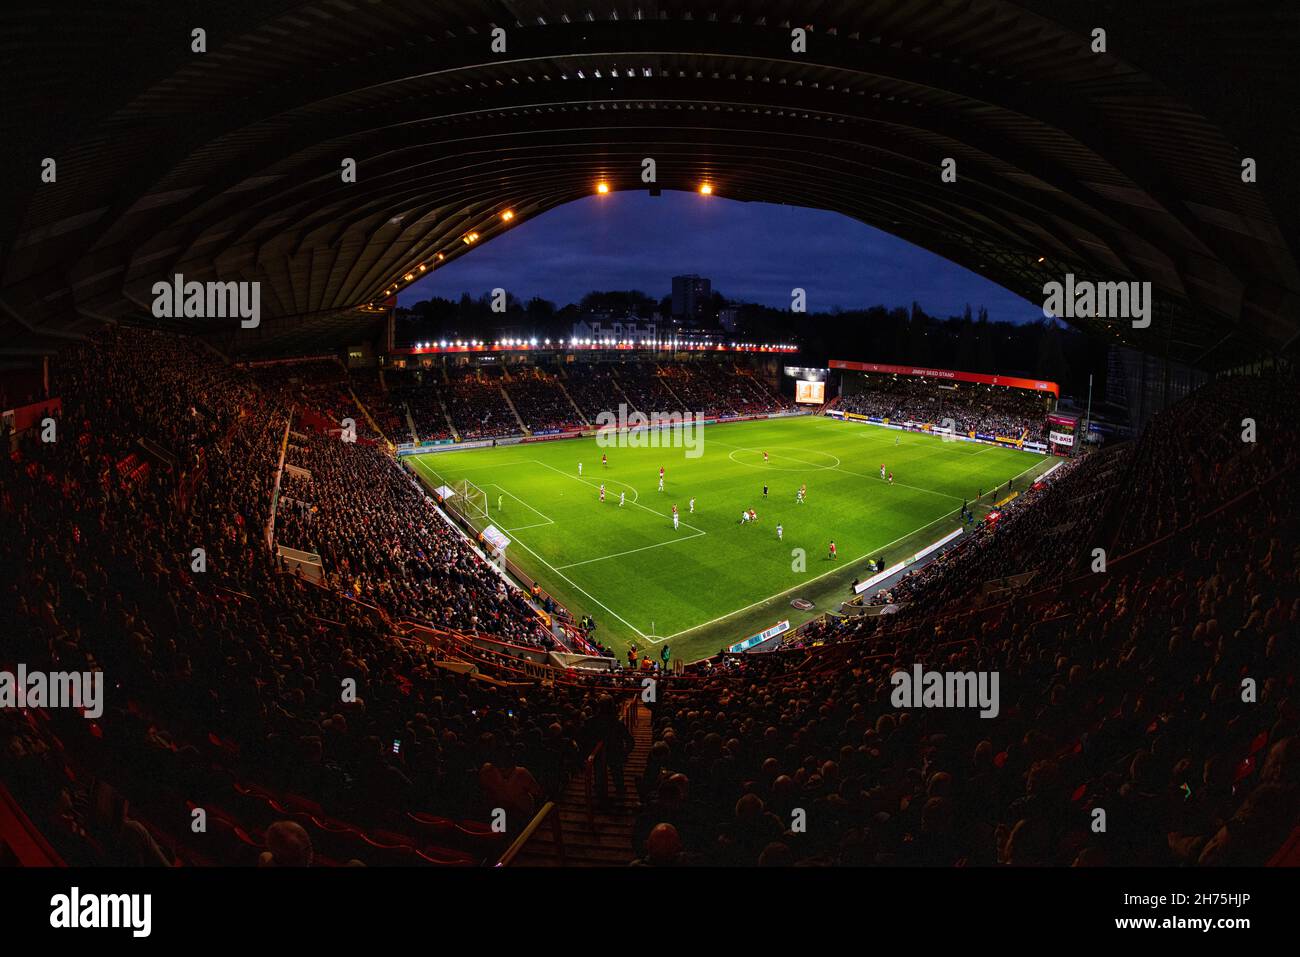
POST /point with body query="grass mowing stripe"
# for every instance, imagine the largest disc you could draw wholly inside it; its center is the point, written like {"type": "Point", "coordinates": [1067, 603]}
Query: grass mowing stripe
{"type": "Point", "coordinates": [725, 580]}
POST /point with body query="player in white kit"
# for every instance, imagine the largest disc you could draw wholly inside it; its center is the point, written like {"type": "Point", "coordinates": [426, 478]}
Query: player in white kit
{"type": "Point", "coordinates": [622, 496]}
{"type": "Point", "coordinates": [692, 506]}
{"type": "Point", "coordinates": [675, 517]}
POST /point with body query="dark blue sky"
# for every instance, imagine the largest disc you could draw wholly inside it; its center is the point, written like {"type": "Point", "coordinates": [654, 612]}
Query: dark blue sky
{"type": "Point", "coordinates": [754, 252]}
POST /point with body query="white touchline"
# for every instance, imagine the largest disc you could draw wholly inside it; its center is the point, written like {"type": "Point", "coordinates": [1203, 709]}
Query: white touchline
{"type": "Point", "coordinates": [761, 601]}
{"type": "Point", "coordinates": [700, 532]}
{"type": "Point", "coordinates": [580, 588]}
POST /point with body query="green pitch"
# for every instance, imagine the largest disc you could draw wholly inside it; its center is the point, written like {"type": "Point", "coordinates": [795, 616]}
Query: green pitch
{"type": "Point", "coordinates": [713, 581]}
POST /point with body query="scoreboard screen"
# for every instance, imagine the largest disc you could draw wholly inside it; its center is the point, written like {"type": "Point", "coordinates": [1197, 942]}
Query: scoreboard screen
{"type": "Point", "coordinates": [809, 393]}
{"type": "Point", "coordinates": [1060, 433]}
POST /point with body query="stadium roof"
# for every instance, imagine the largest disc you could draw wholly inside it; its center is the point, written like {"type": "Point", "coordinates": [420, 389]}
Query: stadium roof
{"type": "Point", "coordinates": [1123, 165]}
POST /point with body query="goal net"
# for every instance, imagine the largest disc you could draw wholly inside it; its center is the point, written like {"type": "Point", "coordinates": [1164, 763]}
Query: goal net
{"type": "Point", "coordinates": [470, 501]}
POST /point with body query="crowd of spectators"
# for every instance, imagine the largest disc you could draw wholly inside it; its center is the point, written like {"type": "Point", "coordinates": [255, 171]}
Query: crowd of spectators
{"type": "Point", "coordinates": [225, 675]}
{"type": "Point", "coordinates": [1047, 528]}
{"type": "Point", "coordinates": [1218, 442]}
{"type": "Point", "coordinates": [1123, 693]}
{"type": "Point", "coordinates": [1119, 691]}
{"type": "Point", "coordinates": [387, 411]}
{"type": "Point", "coordinates": [541, 402]}
{"type": "Point", "coordinates": [646, 390]}
{"type": "Point", "coordinates": [477, 406]}
{"type": "Point", "coordinates": [708, 388]}
{"type": "Point", "coordinates": [424, 400]}
{"type": "Point", "coordinates": [714, 390]}
{"type": "Point", "coordinates": [594, 389]}
{"type": "Point", "coordinates": [381, 539]}
{"type": "Point", "coordinates": [992, 410]}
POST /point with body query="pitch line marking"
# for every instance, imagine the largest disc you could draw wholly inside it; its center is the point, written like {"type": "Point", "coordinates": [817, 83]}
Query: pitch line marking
{"type": "Point", "coordinates": [805, 584]}
{"type": "Point", "coordinates": [786, 458]}
{"type": "Point", "coordinates": [836, 468]}
{"type": "Point", "coordinates": [596, 485]}
{"type": "Point", "coordinates": [538, 511]}
{"type": "Point", "coordinates": [657, 639]}
{"type": "Point", "coordinates": [592, 597]}
{"type": "Point", "coordinates": [580, 588]}
{"type": "Point", "coordinates": [630, 551]}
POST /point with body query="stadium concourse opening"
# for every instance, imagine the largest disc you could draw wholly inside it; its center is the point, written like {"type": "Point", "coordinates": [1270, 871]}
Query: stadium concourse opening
{"type": "Point", "coordinates": [689, 546]}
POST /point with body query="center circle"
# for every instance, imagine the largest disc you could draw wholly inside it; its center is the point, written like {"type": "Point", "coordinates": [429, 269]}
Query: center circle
{"type": "Point", "coordinates": [782, 459]}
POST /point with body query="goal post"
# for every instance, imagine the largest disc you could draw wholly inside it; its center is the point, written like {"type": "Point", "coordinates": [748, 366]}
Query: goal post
{"type": "Point", "coordinates": [470, 500]}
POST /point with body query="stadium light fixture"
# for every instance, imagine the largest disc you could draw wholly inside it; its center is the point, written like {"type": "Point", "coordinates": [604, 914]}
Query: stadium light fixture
{"type": "Point", "coordinates": [409, 276]}
{"type": "Point", "coordinates": [602, 187]}
{"type": "Point", "coordinates": [706, 189]}
{"type": "Point", "coordinates": [441, 257]}
{"type": "Point", "coordinates": [507, 215]}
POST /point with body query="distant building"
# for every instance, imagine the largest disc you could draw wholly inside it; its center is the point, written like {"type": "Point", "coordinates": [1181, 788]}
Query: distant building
{"type": "Point", "coordinates": [690, 296]}
{"type": "Point", "coordinates": [727, 317]}
{"type": "Point", "coordinates": [604, 326]}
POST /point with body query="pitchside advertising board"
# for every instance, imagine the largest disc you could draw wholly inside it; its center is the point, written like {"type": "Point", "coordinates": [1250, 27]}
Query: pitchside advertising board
{"type": "Point", "coordinates": [760, 641]}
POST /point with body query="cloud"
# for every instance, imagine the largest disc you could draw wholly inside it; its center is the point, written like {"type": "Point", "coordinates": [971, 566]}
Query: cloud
{"type": "Point", "coordinates": [754, 252]}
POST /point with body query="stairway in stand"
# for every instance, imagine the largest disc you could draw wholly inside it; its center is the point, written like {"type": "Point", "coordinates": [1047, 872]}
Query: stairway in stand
{"type": "Point", "coordinates": [604, 839]}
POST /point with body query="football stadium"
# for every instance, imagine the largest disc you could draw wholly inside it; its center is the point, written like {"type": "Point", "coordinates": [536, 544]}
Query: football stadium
{"type": "Point", "coordinates": [482, 439]}
{"type": "Point", "coordinates": [604, 553]}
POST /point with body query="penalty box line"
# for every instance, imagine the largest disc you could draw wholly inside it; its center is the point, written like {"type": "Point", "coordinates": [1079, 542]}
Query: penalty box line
{"type": "Point", "coordinates": [584, 591]}
{"type": "Point", "coordinates": [520, 542]}
{"type": "Point", "coordinates": [843, 568]}
{"type": "Point", "coordinates": [634, 502]}
{"type": "Point", "coordinates": [631, 551]}
{"type": "Point", "coordinates": [546, 519]}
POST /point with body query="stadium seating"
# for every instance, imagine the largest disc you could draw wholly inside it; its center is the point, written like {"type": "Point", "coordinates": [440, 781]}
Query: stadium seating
{"type": "Point", "coordinates": [477, 406]}
{"type": "Point", "coordinates": [1017, 413]}
{"type": "Point", "coordinates": [1120, 690]}
{"type": "Point", "coordinates": [541, 401]}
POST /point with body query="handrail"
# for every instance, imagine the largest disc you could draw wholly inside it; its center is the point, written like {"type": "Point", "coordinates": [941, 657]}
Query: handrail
{"type": "Point", "coordinates": [588, 785]}
{"type": "Point", "coordinates": [527, 833]}
{"type": "Point", "coordinates": [23, 839]}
